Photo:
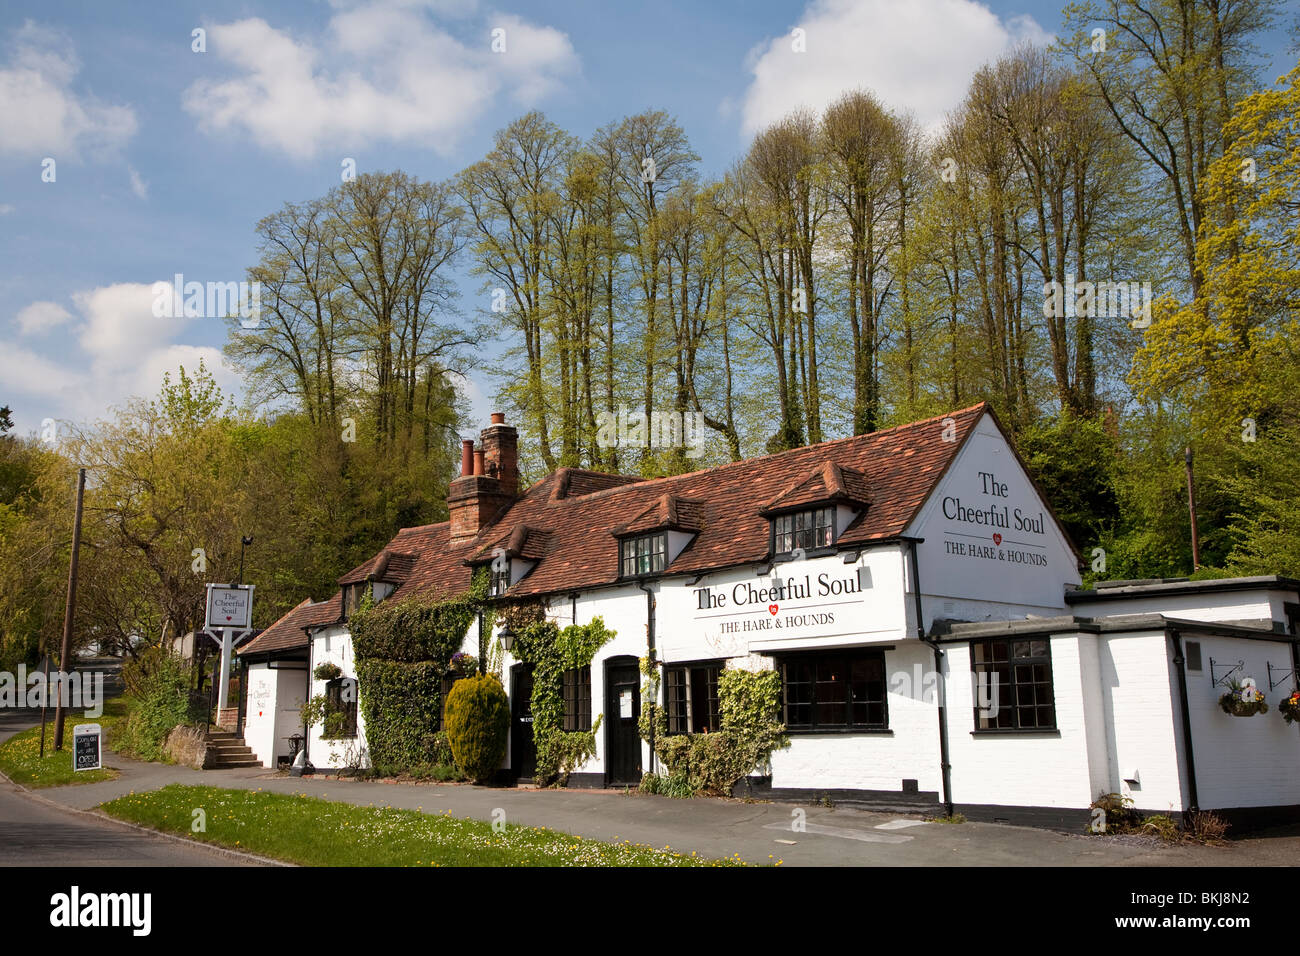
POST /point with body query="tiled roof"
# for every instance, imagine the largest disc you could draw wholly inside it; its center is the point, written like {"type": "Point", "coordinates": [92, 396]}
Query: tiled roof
{"type": "Point", "coordinates": [285, 634]}
{"type": "Point", "coordinates": [564, 522]}
{"type": "Point", "coordinates": [894, 469]}
{"type": "Point", "coordinates": [827, 483]}
{"type": "Point", "coordinates": [666, 511]}
{"type": "Point", "coordinates": [388, 565]}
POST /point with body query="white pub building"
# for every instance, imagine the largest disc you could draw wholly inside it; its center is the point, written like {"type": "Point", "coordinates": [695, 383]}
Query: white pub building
{"type": "Point", "coordinates": [912, 588]}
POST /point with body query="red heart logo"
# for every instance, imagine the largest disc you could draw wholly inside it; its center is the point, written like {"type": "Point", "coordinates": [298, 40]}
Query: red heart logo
{"type": "Point", "coordinates": [772, 608]}
{"type": "Point", "coordinates": [997, 539]}
{"type": "Point", "coordinates": [227, 617]}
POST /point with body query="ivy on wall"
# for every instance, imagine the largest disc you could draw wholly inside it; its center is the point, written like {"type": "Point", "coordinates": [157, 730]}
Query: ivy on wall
{"type": "Point", "coordinates": [714, 763]}
{"type": "Point", "coordinates": [551, 651]}
{"type": "Point", "coordinates": [403, 651]}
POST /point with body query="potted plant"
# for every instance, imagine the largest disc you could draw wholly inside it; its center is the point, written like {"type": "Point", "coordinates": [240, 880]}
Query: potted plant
{"type": "Point", "coordinates": [327, 672]}
{"type": "Point", "coordinates": [1290, 707]}
{"type": "Point", "coordinates": [1243, 700]}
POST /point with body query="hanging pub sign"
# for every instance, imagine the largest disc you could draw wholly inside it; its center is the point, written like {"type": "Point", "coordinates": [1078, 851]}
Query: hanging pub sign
{"type": "Point", "coordinates": [87, 753]}
{"type": "Point", "coordinates": [229, 605]}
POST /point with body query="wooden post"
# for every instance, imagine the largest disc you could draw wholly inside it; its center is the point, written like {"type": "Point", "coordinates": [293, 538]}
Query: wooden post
{"type": "Point", "coordinates": [65, 649]}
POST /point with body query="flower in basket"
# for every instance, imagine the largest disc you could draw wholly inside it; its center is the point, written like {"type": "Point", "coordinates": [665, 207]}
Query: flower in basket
{"type": "Point", "coordinates": [1290, 707]}
{"type": "Point", "coordinates": [327, 671]}
{"type": "Point", "coordinates": [463, 663]}
{"type": "Point", "coordinates": [1243, 700]}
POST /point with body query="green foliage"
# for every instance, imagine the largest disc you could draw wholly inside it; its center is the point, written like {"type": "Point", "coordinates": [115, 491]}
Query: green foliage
{"type": "Point", "coordinates": [477, 724]}
{"type": "Point", "coordinates": [417, 629]}
{"type": "Point", "coordinates": [317, 711]}
{"type": "Point", "coordinates": [714, 763]}
{"type": "Point", "coordinates": [551, 651]}
{"type": "Point", "coordinates": [1073, 459]}
{"type": "Point", "coordinates": [401, 702]}
{"type": "Point", "coordinates": [160, 699]}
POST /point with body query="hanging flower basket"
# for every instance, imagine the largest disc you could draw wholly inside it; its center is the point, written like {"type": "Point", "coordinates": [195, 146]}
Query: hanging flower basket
{"type": "Point", "coordinates": [1290, 707]}
{"type": "Point", "coordinates": [463, 663]}
{"type": "Point", "coordinates": [327, 671]}
{"type": "Point", "coordinates": [1243, 701]}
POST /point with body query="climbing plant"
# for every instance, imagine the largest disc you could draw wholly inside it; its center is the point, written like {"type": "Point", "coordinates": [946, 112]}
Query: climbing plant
{"type": "Point", "coordinates": [714, 763]}
{"type": "Point", "coordinates": [403, 650]}
{"type": "Point", "coordinates": [551, 651]}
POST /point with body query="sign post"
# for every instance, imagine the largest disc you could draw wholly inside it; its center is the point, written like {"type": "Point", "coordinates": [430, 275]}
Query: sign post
{"type": "Point", "coordinates": [229, 609]}
{"type": "Point", "coordinates": [87, 752]}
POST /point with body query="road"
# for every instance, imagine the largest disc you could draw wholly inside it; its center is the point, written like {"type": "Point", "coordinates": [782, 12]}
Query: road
{"type": "Point", "coordinates": [33, 833]}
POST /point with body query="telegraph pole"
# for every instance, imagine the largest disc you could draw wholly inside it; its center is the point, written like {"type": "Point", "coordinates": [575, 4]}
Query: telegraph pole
{"type": "Point", "coordinates": [1191, 509]}
{"type": "Point", "coordinates": [65, 650]}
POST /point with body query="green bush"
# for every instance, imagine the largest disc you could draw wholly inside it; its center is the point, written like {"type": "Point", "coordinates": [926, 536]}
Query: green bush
{"type": "Point", "coordinates": [159, 700]}
{"type": "Point", "coordinates": [477, 722]}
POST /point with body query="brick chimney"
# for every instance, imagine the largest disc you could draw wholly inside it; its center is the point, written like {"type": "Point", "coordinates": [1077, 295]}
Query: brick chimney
{"type": "Point", "coordinates": [488, 482]}
{"type": "Point", "coordinates": [500, 444]}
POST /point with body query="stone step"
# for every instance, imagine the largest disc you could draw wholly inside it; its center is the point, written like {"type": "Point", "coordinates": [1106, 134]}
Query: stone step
{"type": "Point", "coordinates": [222, 764]}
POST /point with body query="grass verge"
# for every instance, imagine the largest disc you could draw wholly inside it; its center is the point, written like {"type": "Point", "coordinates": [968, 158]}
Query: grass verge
{"type": "Point", "coordinates": [317, 832]}
{"type": "Point", "coordinates": [20, 755]}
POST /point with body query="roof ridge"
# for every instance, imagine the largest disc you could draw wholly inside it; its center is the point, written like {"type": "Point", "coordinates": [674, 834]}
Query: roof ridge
{"type": "Point", "coordinates": [870, 436]}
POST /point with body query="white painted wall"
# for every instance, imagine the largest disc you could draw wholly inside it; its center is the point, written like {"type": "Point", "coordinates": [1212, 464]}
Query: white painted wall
{"type": "Point", "coordinates": [275, 696]}
{"type": "Point", "coordinates": [333, 644]}
{"type": "Point", "coordinates": [1248, 605]}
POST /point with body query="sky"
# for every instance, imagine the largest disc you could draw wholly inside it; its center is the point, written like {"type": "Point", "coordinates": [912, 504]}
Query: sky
{"type": "Point", "coordinates": [128, 156]}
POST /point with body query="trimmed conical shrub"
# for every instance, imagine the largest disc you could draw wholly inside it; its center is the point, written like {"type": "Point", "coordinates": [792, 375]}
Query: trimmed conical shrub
{"type": "Point", "coordinates": [477, 722]}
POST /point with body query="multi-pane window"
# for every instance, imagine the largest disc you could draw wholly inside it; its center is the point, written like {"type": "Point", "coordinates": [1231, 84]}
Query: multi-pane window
{"type": "Point", "coordinates": [804, 529]}
{"type": "Point", "coordinates": [842, 690]}
{"type": "Point", "coordinates": [577, 698]}
{"type": "Point", "coordinates": [1013, 685]}
{"type": "Point", "coordinates": [646, 554]}
{"type": "Point", "coordinates": [691, 698]}
{"type": "Point", "coordinates": [340, 708]}
{"type": "Point", "coordinates": [500, 578]}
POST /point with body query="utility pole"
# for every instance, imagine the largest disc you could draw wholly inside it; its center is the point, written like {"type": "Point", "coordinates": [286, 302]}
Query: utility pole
{"type": "Point", "coordinates": [1191, 509]}
{"type": "Point", "coordinates": [65, 650]}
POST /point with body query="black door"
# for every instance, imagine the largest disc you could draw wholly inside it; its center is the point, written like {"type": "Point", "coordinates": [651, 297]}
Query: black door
{"type": "Point", "coordinates": [523, 749]}
{"type": "Point", "coordinates": [622, 708]}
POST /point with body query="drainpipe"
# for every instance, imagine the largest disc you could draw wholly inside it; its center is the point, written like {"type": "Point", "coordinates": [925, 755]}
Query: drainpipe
{"type": "Point", "coordinates": [1181, 663]}
{"type": "Point", "coordinates": [650, 654]}
{"type": "Point", "coordinates": [945, 768]}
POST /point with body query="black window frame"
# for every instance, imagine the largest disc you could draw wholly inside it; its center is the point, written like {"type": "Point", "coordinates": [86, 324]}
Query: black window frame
{"type": "Point", "coordinates": [683, 713]}
{"type": "Point", "coordinates": [576, 693]}
{"type": "Point", "coordinates": [784, 542]}
{"type": "Point", "coordinates": [656, 555]}
{"type": "Point", "coordinates": [823, 662]}
{"type": "Point", "coordinates": [1011, 693]}
{"type": "Point", "coordinates": [334, 704]}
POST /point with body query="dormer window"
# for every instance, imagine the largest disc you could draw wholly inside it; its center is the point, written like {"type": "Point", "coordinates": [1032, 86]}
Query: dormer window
{"type": "Point", "coordinates": [811, 529]}
{"type": "Point", "coordinates": [644, 554]}
{"type": "Point", "coordinates": [352, 594]}
{"type": "Point", "coordinates": [500, 581]}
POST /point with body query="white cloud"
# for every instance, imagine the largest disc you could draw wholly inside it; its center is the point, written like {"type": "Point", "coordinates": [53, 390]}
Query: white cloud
{"type": "Point", "coordinates": [116, 349]}
{"type": "Point", "coordinates": [5, 209]}
{"type": "Point", "coordinates": [138, 185]}
{"type": "Point", "coordinates": [43, 115]}
{"type": "Point", "coordinates": [917, 56]}
{"type": "Point", "coordinates": [40, 317]}
{"type": "Point", "coordinates": [381, 71]}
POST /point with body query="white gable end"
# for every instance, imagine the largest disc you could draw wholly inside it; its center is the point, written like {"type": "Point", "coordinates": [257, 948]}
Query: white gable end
{"type": "Point", "coordinates": [992, 550]}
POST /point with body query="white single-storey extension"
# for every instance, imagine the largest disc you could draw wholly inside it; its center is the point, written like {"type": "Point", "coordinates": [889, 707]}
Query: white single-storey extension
{"type": "Point", "coordinates": [912, 588]}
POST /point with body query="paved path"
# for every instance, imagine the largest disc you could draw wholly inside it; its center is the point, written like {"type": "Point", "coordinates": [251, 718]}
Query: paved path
{"type": "Point", "coordinates": [759, 832]}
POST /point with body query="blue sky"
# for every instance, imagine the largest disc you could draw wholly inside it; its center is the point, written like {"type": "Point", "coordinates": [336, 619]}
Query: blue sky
{"type": "Point", "coordinates": [166, 158]}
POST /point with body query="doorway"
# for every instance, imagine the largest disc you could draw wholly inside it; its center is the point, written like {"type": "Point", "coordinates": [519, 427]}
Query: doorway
{"type": "Point", "coordinates": [622, 710]}
{"type": "Point", "coordinates": [523, 748]}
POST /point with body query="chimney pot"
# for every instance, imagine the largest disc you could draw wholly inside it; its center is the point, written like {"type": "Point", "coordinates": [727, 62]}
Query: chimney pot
{"type": "Point", "coordinates": [466, 457]}
{"type": "Point", "coordinates": [498, 418]}
{"type": "Point", "coordinates": [479, 467]}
